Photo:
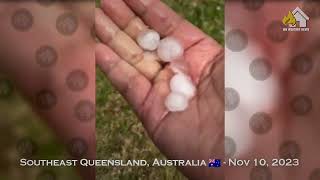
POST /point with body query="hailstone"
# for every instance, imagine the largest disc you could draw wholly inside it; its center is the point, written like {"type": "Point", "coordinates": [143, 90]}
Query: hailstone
{"type": "Point", "coordinates": [148, 40]}
{"type": "Point", "coordinates": [181, 83]}
{"type": "Point", "coordinates": [176, 102]}
{"type": "Point", "coordinates": [170, 49]}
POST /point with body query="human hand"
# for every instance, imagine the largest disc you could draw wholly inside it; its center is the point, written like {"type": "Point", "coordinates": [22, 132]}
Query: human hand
{"type": "Point", "coordinates": [196, 133]}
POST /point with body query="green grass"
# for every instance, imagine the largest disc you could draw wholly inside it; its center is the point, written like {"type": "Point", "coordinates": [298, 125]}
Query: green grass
{"type": "Point", "coordinates": [120, 135]}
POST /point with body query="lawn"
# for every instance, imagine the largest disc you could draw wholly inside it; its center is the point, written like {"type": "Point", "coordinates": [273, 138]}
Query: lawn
{"type": "Point", "coordinates": [120, 135]}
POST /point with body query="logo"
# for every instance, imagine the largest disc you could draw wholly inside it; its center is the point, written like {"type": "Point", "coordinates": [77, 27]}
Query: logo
{"type": "Point", "coordinates": [296, 21]}
{"type": "Point", "coordinates": [214, 163]}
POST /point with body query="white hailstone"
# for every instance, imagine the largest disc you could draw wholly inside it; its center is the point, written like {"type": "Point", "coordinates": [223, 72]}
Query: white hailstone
{"type": "Point", "coordinates": [176, 102]}
{"type": "Point", "coordinates": [170, 49]}
{"type": "Point", "coordinates": [181, 83]}
{"type": "Point", "coordinates": [148, 40]}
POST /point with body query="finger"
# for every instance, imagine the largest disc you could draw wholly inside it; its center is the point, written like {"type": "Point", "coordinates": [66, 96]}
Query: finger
{"type": "Point", "coordinates": [120, 42]}
{"type": "Point", "coordinates": [199, 48]}
{"type": "Point", "coordinates": [113, 7]}
{"type": "Point", "coordinates": [127, 80]}
{"type": "Point", "coordinates": [125, 47]}
{"type": "Point", "coordinates": [104, 27]}
{"type": "Point", "coordinates": [122, 15]}
{"type": "Point", "coordinates": [111, 35]}
{"type": "Point", "coordinates": [157, 15]}
{"type": "Point", "coordinates": [149, 66]}
{"type": "Point", "coordinates": [153, 108]}
{"type": "Point", "coordinates": [164, 20]}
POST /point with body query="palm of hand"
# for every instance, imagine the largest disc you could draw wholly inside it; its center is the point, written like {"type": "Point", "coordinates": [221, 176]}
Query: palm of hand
{"type": "Point", "coordinates": [196, 133]}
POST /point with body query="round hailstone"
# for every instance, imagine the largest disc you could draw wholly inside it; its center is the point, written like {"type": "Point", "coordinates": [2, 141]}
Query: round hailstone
{"type": "Point", "coordinates": [169, 49]}
{"type": "Point", "coordinates": [181, 83]}
{"type": "Point", "coordinates": [148, 40]}
{"type": "Point", "coordinates": [176, 102]}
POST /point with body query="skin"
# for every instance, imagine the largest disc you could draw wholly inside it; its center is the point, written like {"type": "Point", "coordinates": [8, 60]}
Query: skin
{"type": "Point", "coordinates": [195, 126]}
{"type": "Point", "coordinates": [198, 132]}
{"type": "Point", "coordinates": [17, 59]}
{"type": "Point", "coordinates": [286, 124]}
{"type": "Point", "coordinates": [180, 135]}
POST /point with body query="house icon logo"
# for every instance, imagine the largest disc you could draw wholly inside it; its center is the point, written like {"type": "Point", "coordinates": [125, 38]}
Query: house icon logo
{"type": "Point", "coordinates": [296, 20]}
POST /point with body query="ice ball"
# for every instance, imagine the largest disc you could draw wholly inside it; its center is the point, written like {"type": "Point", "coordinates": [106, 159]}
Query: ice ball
{"type": "Point", "coordinates": [181, 83]}
{"type": "Point", "coordinates": [148, 40]}
{"type": "Point", "coordinates": [176, 102]}
{"type": "Point", "coordinates": [170, 49]}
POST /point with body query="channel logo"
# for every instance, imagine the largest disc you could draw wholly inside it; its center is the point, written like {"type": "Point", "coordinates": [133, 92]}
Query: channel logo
{"type": "Point", "coordinates": [296, 20]}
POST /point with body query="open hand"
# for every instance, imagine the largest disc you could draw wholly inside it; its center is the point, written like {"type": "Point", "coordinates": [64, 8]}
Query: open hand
{"type": "Point", "coordinates": [196, 133]}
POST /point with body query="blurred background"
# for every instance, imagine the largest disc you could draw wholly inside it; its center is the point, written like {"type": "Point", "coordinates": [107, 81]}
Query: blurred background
{"type": "Point", "coordinates": [120, 135]}
{"type": "Point", "coordinates": [24, 135]}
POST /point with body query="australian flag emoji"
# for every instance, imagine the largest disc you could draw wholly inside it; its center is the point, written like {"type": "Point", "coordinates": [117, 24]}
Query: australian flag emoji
{"type": "Point", "coordinates": [214, 163]}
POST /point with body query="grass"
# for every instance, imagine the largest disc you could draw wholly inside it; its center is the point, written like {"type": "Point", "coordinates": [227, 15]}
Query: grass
{"type": "Point", "coordinates": [120, 135]}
